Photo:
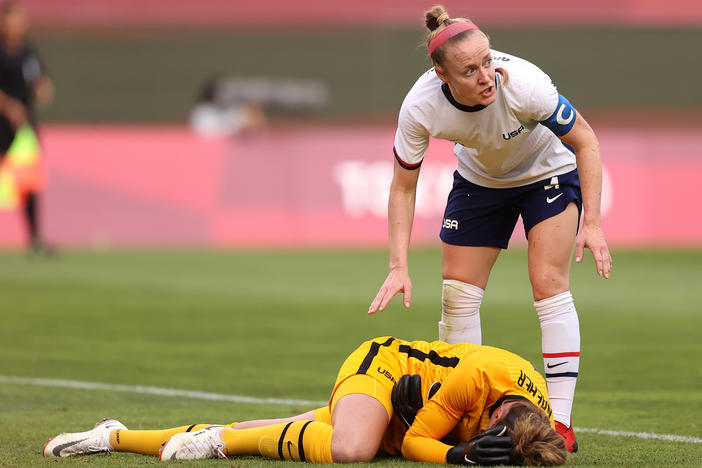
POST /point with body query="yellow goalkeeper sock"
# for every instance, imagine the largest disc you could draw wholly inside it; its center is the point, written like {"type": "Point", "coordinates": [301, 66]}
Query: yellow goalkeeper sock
{"type": "Point", "coordinates": [146, 442]}
{"type": "Point", "coordinates": [299, 441]}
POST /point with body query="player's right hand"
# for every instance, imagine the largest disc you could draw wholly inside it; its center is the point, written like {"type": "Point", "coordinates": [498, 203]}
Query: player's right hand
{"type": "Point", "coordinates": [398, 280]}
{"type": "Point", "coordinates": [492, 447]}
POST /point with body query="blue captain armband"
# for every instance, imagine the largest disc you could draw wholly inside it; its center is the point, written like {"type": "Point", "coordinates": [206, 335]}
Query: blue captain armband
{"type": "Point", "coordinates": [563, 118]}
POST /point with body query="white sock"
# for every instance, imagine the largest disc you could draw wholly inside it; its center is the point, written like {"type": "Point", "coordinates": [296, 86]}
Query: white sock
{"type": "Point", "coordinates": [560, 344]}
{"type": "Point", "coordinates": [460, 312]}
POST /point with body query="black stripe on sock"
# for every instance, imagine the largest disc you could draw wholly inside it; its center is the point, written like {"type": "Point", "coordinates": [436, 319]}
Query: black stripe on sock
{"type": "Point", "coordinates": [372, 353]}
{"type": "Point", "coordinates": [563, 374]}
{"type": "Point", "coordinates": [190, 428]}
{"type": "Point", "coordinates": [280, 442]}
{"type": "Point", "coordinates": [300, 446]}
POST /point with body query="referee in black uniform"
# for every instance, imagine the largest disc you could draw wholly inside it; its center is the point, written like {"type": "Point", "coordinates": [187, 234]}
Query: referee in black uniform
{"type": "Point", "coordinates": [22, 83]}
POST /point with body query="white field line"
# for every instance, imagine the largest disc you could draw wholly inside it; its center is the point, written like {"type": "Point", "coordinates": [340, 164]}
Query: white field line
{"type": "Point", "coordinates": [642, 435]}
{"type": "Point", "coordinates": [173, 392]}
{"type": "Point", "coordinates": [160, 391]}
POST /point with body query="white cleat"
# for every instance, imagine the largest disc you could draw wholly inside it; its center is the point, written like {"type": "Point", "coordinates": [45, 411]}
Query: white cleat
{"type": "Point", "coordinates": [96, 440]}
{"type": "Point", "coordinates": [205, 443]}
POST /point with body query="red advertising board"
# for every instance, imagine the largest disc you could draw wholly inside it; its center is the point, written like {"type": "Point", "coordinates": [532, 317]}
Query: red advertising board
{"type": "Point", "coordinates": [315, 186]}
{"type": "Point", "coordinates": [313, 13]}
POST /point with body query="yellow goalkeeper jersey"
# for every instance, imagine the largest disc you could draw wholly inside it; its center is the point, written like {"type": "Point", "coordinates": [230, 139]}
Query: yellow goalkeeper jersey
{"type": "Point", "coordinates": [473, 379]}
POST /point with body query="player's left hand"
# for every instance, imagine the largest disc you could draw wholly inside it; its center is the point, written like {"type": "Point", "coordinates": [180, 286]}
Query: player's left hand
{"type": "Point", "coordinates": [407, 398]}
{"type": "Point", "coordinates": [591, 236]}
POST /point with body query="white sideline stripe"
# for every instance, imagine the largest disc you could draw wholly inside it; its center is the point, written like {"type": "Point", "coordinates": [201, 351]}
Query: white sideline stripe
{"type": "Point", "coordinates": [77, 384]}
{"type": "Point", "coordinates": [642, 435]}
{"type": "Point", "coordinates": [173, 392]}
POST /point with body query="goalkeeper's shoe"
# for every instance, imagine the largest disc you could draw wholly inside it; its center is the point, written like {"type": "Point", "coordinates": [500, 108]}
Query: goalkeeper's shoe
{"type": "Point", "coordinates": [96, 440]}
{"type": "Point", "coordinates": [205, 443]}
{"type": "Point", "coordinates": [568, 436]}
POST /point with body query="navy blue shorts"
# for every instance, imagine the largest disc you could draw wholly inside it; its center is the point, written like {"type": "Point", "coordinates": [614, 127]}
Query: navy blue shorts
{"type": "Point", "coordinates": [480, 216]}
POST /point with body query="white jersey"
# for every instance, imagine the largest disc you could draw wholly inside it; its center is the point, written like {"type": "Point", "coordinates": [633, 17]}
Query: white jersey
{"type": "Point", "coordinates": [498, 146]}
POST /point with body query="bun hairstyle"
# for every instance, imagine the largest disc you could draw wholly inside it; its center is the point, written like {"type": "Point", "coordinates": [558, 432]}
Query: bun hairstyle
{"type": "Point", "coordinates": [436, 19]}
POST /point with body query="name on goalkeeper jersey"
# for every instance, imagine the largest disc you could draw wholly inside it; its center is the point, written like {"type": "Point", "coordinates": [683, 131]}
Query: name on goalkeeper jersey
{"type": "Point", "coordinates": [527, 384]}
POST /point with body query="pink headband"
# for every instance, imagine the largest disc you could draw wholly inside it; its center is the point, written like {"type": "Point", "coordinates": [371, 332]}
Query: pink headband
{"type": "Point", "coordinates": [448, 32]}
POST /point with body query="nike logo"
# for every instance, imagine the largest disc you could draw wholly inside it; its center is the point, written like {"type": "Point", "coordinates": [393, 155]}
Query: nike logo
{"type": "Point", "coordinates": [290, 447]}
{"type": "Point", "coordinates": [559, 116]}
{"type": "Point", "coordinates": [556, 365]}
{"type": "Point", "coordinates": [433, 389]}
{"type": "Point", "coordinates": [469, 461]}
{"type": "Point", "coordinates": [551, 200]}
{"type": "Point", "coordinates": [57, 450]}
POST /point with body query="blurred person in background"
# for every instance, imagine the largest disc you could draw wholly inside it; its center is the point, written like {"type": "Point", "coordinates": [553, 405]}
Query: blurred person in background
{"type": "Point", "coordinates": [23, 82]}
{"type": "Point", "coordinates": [239, 105]}
{"type": "Point", "coordinates": [522, 149]}
{"type": "Point", "coordinates": [217, 115]}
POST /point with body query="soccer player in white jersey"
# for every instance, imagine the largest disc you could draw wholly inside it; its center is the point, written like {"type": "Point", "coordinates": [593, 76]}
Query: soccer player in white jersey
{"type": "Point", "coordinates": [522, 149]}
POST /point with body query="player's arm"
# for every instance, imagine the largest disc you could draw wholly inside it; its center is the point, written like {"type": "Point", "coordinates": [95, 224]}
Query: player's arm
{"type": "Point", "coordinates": [573, 130]}
{"type": "Point", "coordinates": [401, 202]}
{"type": "Point", "coordinates": [464, 389]}
{"type": "Point", "coordinates": [459, 391]}
{"type": "Point", "coordinates": [422, 441]}
{"type": "Point", "coordinates": [43, 89]}
{"type": "Point", "coordinates": [582, 139]}
{"type": "Point", "coordinates": [13, 110]}
{"type": "Point", "coordinates": [40, 85]}
{"type": "Point", "coordinates": [411, 142]}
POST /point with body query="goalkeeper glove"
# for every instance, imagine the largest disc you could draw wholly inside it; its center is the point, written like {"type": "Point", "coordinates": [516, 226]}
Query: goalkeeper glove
{"type": "Point", "coordinates": [407, 397]}
{"type": "Point", "coordinates": [492, 447]}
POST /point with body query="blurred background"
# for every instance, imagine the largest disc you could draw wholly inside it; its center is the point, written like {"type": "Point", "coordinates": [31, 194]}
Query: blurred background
{"type": "Point", "coordinates": [271, 123]}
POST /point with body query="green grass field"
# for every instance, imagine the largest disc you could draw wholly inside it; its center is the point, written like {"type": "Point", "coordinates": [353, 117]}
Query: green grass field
{"type": "Point", "coordinates": [278, 324]}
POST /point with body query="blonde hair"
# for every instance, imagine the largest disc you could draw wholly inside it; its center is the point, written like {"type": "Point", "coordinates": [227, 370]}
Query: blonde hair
{"type": "Point", "coordinates": [436, 19]}
{"type": "Point", "coordinates": [534, 441]}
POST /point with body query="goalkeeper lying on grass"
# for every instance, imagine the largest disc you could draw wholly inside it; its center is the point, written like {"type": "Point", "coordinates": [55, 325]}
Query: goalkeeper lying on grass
{"type": "Point", "coordinates": [433, 402]}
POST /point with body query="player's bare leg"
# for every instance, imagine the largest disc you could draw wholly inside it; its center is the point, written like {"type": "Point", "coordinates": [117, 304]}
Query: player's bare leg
{"type": "Point", "coordinates": [551, 249]}
{"type": "Point", "coordinates": [359, 424]}
{"type": "Point", "coordinates": [307, 416]}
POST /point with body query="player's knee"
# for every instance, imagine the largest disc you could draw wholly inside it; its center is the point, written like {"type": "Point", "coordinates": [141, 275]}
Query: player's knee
{"type": "Point", "coordinates": [353, 451]}
{"type": "Point", "coordinates": [548, 283]}
{"type": "Point", "coordinates": [545, 291]}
